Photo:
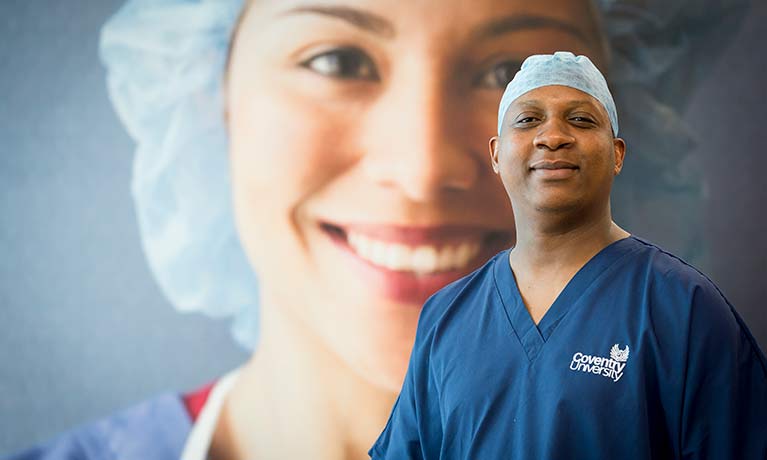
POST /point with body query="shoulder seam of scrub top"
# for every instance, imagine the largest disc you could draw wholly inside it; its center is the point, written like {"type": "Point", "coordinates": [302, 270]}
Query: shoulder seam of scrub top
{"type": "Point", "coordinates": [744, 331]}
{"type": "Point", "coordinates": [201, 435]}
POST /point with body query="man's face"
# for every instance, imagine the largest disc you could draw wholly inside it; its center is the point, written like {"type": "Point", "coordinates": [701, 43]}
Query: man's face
{"type": "Point", "coordinates": [556, 152]}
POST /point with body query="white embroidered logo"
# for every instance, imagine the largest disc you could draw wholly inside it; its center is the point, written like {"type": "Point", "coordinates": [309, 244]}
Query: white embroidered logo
{"type": "Point", "coordinates": [611, 367]}
{"type": "Point", "coordinates": [619, 355]}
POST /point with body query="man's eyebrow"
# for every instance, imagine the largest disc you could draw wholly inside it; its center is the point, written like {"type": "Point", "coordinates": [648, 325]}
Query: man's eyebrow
{"type": "Point", "coordinates": [536, 104]}
{"type": "Point", "coordinates": [582, 102]}
{"type": "Point", "coordinates": [525, 22]}
{"type": "Point", "coordinates": [364, 20]}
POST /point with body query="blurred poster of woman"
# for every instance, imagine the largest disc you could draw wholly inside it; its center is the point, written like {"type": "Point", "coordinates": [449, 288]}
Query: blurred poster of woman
{"type": "Point", "coordinates": [316, 171]}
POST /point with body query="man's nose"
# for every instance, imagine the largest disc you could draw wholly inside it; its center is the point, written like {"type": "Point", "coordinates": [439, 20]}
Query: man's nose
{"type": "Point", "coordinates": [553, 134]}
{"type": "Point", "coordinates": [415, 141]}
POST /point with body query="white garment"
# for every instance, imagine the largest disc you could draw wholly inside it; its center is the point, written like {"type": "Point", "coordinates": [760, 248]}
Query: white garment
{"type": "Point", "coordinates": [198, 443]}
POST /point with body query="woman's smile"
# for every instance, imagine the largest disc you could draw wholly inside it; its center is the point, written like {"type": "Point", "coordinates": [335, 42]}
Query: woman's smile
{"type": "Point", "coordinates": [407, 263]}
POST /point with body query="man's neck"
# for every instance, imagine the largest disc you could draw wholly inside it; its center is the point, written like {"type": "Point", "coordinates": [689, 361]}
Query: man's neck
{"type": "Point", "coordinates": [553, 242]}
{"type": "Point", "coordinates": [549, 253]}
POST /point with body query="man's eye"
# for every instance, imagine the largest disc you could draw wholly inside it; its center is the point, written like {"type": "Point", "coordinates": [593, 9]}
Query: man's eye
{"type": "Point", "coordinates": [526, 120]}
{"type": "Point", "coordinates": [499, 75]}
{"type": "Point", "coordinates": [346, 63]}
{"type": "Point", "coordinates": [580, 119]}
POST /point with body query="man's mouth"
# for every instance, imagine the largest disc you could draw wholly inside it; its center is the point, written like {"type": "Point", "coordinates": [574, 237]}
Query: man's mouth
{"type": "Point", "coordinates": [554, 170]}
{"type": "Point", "coordinates": [553, 165]}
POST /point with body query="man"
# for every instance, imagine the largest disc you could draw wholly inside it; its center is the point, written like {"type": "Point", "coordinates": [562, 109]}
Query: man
{"type": "Point", "coordinates": [582, 341]}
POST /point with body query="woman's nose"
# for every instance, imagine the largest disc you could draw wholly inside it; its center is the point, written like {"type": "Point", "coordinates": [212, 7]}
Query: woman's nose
{"type": "Point", "coordinates": [553, 134]}
{"type": "Point", "coordinates": [416, 141]}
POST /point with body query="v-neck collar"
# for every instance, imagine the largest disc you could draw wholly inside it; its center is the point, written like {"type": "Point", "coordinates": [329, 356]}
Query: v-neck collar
{"type": "Point", "coordinates": [532, 337]}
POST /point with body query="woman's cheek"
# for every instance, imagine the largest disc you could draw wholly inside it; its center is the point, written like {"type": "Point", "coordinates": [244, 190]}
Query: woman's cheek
{"type": "Point", "coordinates": [288, 144]}
{"type": "Point", "coordinates": [283, 150]}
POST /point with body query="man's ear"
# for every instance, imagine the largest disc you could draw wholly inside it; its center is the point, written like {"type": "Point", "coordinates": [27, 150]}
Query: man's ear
{"type": "Point", "coordinates": [619, 151]}
{"type": "Point", "coordinates": [493, 145]}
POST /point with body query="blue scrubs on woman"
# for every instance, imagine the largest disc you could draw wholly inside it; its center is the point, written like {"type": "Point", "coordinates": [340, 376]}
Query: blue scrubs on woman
{"type": "Point", "coordinates": [153, 430]}
{"type": "Point", "coordinates": [639, 357]}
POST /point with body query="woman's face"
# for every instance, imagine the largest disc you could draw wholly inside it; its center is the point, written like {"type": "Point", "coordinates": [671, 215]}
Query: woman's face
{"type": "Point", "coordinates": [358, 149]}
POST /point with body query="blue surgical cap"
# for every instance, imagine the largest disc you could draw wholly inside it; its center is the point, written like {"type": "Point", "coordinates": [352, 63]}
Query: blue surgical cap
{"type": "Point", "coordinates": [165, 63]}
{"type": "Point", "coordinates": [561, 68]}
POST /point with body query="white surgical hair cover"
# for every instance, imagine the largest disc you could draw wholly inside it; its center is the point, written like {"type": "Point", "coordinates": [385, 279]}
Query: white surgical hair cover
{"type": "Point", "coordinates": [562, 68]}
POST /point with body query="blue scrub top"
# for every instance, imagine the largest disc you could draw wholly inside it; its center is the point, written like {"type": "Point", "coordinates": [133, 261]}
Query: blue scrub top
{"type": "Point", "coordinates": [639, 357]}
{"type": "Point", "coordinates": [153, 430]}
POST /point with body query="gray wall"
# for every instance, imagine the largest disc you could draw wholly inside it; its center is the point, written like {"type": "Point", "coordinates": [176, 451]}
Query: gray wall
{"type": "Point", "coordinates": [729, 115]}
{"type": "Point", "coordinates": [84, 329]}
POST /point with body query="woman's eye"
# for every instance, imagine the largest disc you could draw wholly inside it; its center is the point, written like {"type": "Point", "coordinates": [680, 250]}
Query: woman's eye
{"type": "Point", "coordinates": [499, 75]}
{"type": "Point", "coordinates": [347, 63]}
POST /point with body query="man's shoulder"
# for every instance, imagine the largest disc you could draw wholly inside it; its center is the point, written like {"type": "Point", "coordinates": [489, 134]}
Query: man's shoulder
{"type": "Point", "coordinates": [154, 429]}
{"type": "Point", "coordinates": [672, 284]}
{"type": "Point", "coordinates": [663, 266]}
{"type": "Point", "coordinates": [691, 300]}
{"type": "Point", "coordinates": [458, 292]}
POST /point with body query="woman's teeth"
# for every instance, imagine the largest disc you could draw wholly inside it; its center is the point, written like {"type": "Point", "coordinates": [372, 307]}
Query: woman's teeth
{"type": "Point", "coordinates": [419, 259]}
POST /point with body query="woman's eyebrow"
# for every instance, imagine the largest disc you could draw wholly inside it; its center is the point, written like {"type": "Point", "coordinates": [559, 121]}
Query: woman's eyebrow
{"type": "Point", "coordinates": [359, 18]}
{"type": "Point", "coordinates": [525, 22]}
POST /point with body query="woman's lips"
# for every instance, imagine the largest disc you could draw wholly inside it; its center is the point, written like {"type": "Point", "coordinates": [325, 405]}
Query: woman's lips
{"type": "Point", "coordinates": [421, 259]}
{"type": "Point", "coordinates": [408, 264]}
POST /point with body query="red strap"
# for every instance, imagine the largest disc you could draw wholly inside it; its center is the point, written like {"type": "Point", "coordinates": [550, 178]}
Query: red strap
{"type": "Point", "coordinates": [195, 401]}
